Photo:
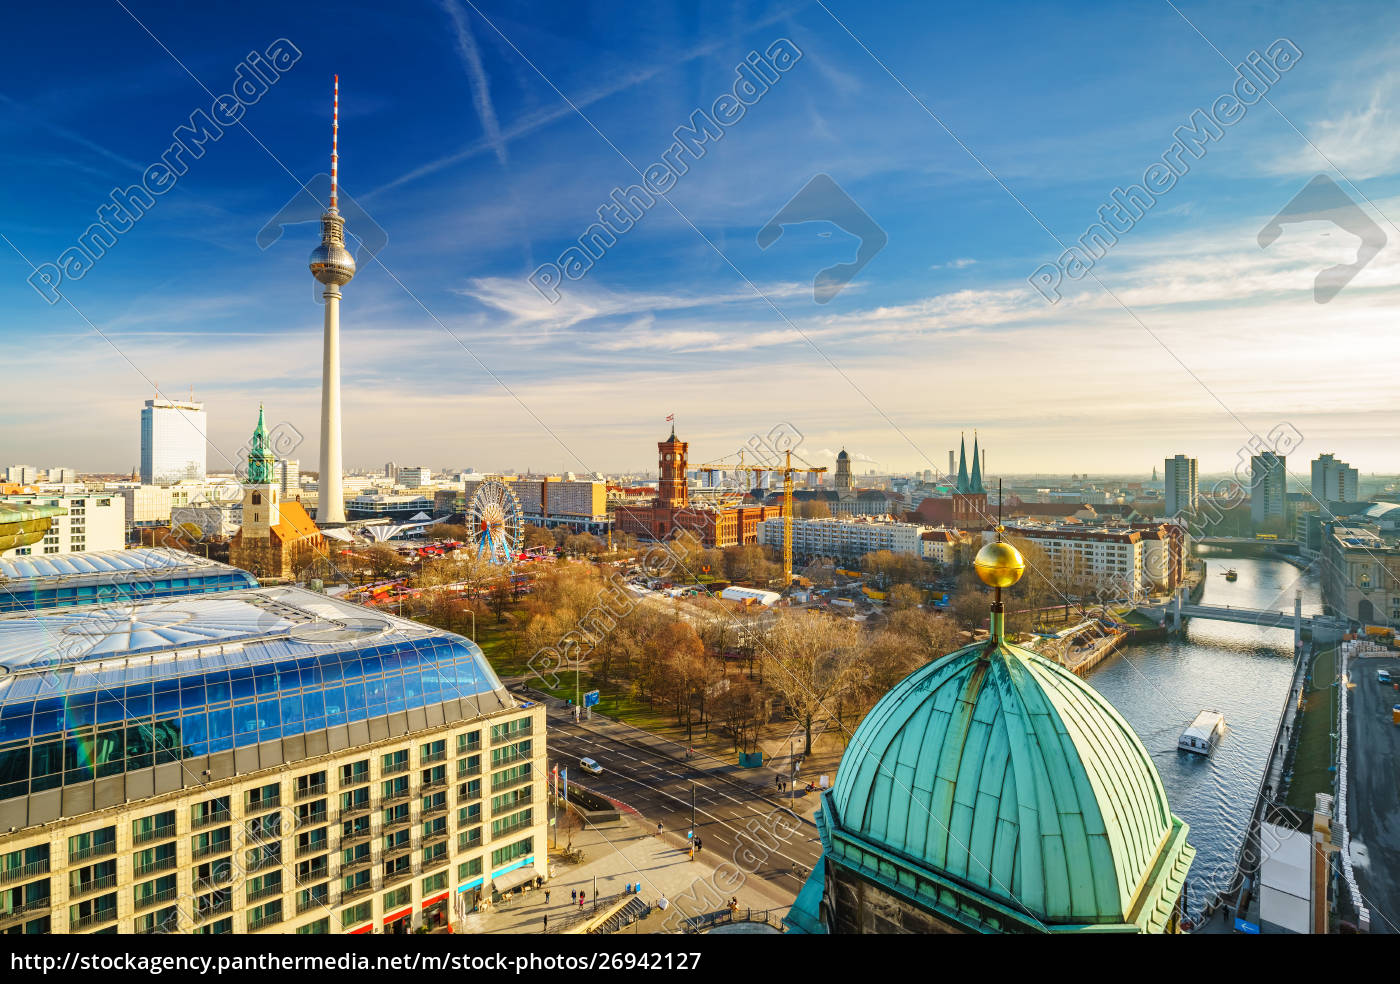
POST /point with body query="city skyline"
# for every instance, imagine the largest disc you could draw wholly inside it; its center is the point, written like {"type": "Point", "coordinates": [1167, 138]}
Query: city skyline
{"type": "Point", "coordinates": [448, 329]}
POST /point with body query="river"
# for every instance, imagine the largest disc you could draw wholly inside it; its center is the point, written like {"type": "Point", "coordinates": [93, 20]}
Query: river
{"type": "Point", "coordinates": [1242, 671]}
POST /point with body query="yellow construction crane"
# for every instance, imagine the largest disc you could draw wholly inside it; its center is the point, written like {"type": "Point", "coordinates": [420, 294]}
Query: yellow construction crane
{"type": "Point", "coordinates": [787, 471]}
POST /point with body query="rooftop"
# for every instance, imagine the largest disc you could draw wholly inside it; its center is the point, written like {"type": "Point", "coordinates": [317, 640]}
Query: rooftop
{"type": "Point", "coordinates": [263, 633]}
{"type": "Point", "coordinates": [996, 777]}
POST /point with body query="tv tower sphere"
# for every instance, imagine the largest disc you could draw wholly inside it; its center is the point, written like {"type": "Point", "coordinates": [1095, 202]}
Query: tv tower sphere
{"type": "Point", "coordinates": [331, 262]}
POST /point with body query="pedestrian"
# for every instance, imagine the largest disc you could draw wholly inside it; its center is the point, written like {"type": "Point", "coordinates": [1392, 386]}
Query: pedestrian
{"type": "Point", "coordinates": [546, 896]}
{"type": "Point", "coordinates": [580, 900]}
{"type": "Point", "coordinates": [780, 784]}
{"type": "Point", "coordinates": [573, 896]}
{"type": "Point", "coordinates": [546, 923]}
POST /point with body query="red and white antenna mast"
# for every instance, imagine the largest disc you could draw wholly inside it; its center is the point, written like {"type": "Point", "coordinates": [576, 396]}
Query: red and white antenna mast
{"type": "Point", "coordinates": [335, 141]}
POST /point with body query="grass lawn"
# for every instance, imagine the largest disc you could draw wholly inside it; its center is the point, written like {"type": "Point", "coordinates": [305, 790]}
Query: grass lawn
{"type": "Point", "coordinates": [1313, 759]}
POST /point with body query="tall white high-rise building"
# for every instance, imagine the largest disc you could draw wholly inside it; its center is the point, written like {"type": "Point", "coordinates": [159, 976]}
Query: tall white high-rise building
{"type": "Point", "coordinates": [288, 471]}
{"type": "Point", "coordinates": [1333, 480]}
{"type": "Point", "coordinates": [1182, 484]}
{"type": "Point", "coordinates": [1268, 487]}
{"type": "Point", "coordinates": [173, 441]}
{"type": "Point", "coordinates": [22, 474]}
{"type": "Point", "coordinates": [333, 267]}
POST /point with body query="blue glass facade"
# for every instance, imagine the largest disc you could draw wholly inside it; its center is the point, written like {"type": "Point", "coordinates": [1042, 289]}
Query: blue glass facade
{"type": "Point", "coordinates": [40, 595]}
{"type": "Point", "coordinates": [70, 727]}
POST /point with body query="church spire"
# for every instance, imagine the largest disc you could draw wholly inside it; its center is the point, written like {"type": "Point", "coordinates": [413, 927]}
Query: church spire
{"type": "Point", "coordinates": [261, 461]}
{"type": "Point", "coordinates": [963, 485]}
{"type": "Point", "coordinates": [976, 481]}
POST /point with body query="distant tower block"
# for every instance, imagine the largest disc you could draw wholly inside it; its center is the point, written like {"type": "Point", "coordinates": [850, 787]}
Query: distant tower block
{"type": "Point", "coordinates": [952, 463]}
{"type": "Point", "coordinates": [332, 265]}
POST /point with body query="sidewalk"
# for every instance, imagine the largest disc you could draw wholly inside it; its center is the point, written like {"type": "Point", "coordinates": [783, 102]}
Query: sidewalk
{"type": "Point", "coordinates": [614, 856]}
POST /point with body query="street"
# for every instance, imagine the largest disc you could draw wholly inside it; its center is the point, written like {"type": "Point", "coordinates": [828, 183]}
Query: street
{"type": "Point", "coordinates": [1374, 792]}
{"type": "Point", "coordinates": [652, 776]}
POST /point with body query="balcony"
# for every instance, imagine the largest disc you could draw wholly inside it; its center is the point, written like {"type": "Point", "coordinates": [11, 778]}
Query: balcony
{"type": "Point", "coordinates": [96, 885]}
{"type": "Point", "coordinates": [397, 821]}
{"type": "Point", "coordinates": [318, 873]}
{"type": "Point", "coordinates": [436, 837]}
{"type": "Point", "coordinates": [434, 864]}
{"type": "Point", "coordinates": [262, 922]}
{"type": "Point", "coordinates": [500, 786]}
{"type": "Point", "coordinates": [397, 850]}
{"type": "Point", "coordinates": [218, 847]}
{"type": "Point", "coordinates": [321, 901]}
{"type": "Point", "coordinates": [435, 810]}
{"type": "Point", "coordinates": [311, 819]}
{"type": "Point", "coordinates": [265, 861]}
{"type": "Point", "coordinates": [468, 843]}
{"type": "Point", "coordinates": [165, 895]}
{"type": "Point", "coordinates": [357, 836]}
{"type": "Point", "coordinates": [514, 734]}
{"type": "Point", "coordinates": [213, 909]}
{"type": "Point", "coordinates": [395, 768]}
{"type": "Point", "coordinates": [266, 892]}
{"type": "Point", "coordinates": [397, 796]}
{"type": "Point", "coordinates": [93, 919]}
{"type": "Point", "coordinates": [525, 799]}
{"type": "Point", "coordinates": [505, 831]}
{"type": "Point", "coordinates": [467, 747]}
{"type": "Point", "coordinates": [210, 818]}
{"type": "Point", "coordinates": [511, 759]}
{"type": "Point", "coordinates": [355, 809]}
{"type": "Point", "coordinates": [314, 789]}
{"type": "Point", "coordinates": [221, 877]}
{"type": "Point", "coordinates": [263, 805]}
{"type": "Point", "coordinates": [355, 892]}
{"type": "Point", "coordinates": [467, 772]}
{"type": "Point", "coordinates": [358, 864]}
{"type": "Point", "coordinates": [159, 864]}
{"type": "Point", "coordinates": [155, 833]}
{"type": "Point", "coordinates": [357, 779]}
{"type": "Point", "coordinates": [430, 784]}
{"type": "Point", "coordinates": [27, 909]}
{"type": "Point", "coordinates": [470, 820]}
{"type": "Point", "coordinates": [398, 875]}
{"type": "Point", "coordinates": [437, 756]}
{"type": "Point", "coordinates": [93, 851]}
{"type": "Point", "coordinates": [23, 872]}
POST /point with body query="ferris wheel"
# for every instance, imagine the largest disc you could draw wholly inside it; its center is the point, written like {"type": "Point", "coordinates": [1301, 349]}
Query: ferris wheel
{"type": "Point", "coordinates": [495, 520]}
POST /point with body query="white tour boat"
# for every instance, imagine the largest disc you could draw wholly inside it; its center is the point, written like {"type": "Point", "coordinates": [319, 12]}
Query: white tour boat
{"type": "Point", "coordinates": [1201, 734]}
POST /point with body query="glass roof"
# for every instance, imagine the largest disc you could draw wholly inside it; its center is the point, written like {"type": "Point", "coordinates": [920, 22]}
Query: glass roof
{"type": "Point", "coordinates": [76, 650]}
{"type": "Point", "coordinates": [99, 562]}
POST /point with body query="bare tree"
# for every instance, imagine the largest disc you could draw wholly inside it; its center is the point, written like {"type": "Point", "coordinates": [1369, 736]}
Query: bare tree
{"type": "Point", "coordinates": [810, 659]}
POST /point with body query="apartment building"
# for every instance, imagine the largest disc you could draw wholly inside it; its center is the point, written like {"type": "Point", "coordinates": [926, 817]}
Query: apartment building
{"type": "Point", "coordinates": [91, 521]}
{"type": "Point", "coordinates": [267, 760]}
{"type": "Point", "coordinates": [845, 539]}
{"type": "Point", "coordinates": [1106, 559]}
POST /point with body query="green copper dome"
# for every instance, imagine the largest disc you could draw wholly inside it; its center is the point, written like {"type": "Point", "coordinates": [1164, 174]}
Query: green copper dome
{"type": "Point", "coordinates": [995, 781]}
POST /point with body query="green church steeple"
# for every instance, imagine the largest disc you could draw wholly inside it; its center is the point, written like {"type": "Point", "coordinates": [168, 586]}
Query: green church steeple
{"type": "Point", "coordinates": [261, 461]}
{"type": "Point", "coordinates": [963, 485]}
{"type": "Point", "coordinates": [976, 481]}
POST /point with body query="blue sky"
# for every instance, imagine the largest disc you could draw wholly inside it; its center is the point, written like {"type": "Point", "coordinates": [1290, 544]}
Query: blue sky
{"type": "Point", "coordinates": [483, 138]}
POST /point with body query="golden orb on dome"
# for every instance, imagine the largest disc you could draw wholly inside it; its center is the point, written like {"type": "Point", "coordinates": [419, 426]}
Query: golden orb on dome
{"type": "Point", "coordinates": [999, 564]}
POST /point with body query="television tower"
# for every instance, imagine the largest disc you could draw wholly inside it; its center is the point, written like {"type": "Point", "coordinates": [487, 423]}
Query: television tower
{"type": "Point", "coordinates": [332, 265]}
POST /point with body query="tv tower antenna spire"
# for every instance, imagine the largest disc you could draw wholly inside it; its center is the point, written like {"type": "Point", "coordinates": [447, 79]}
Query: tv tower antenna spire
{"type": "Point", "coordinates": [333, 266]}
